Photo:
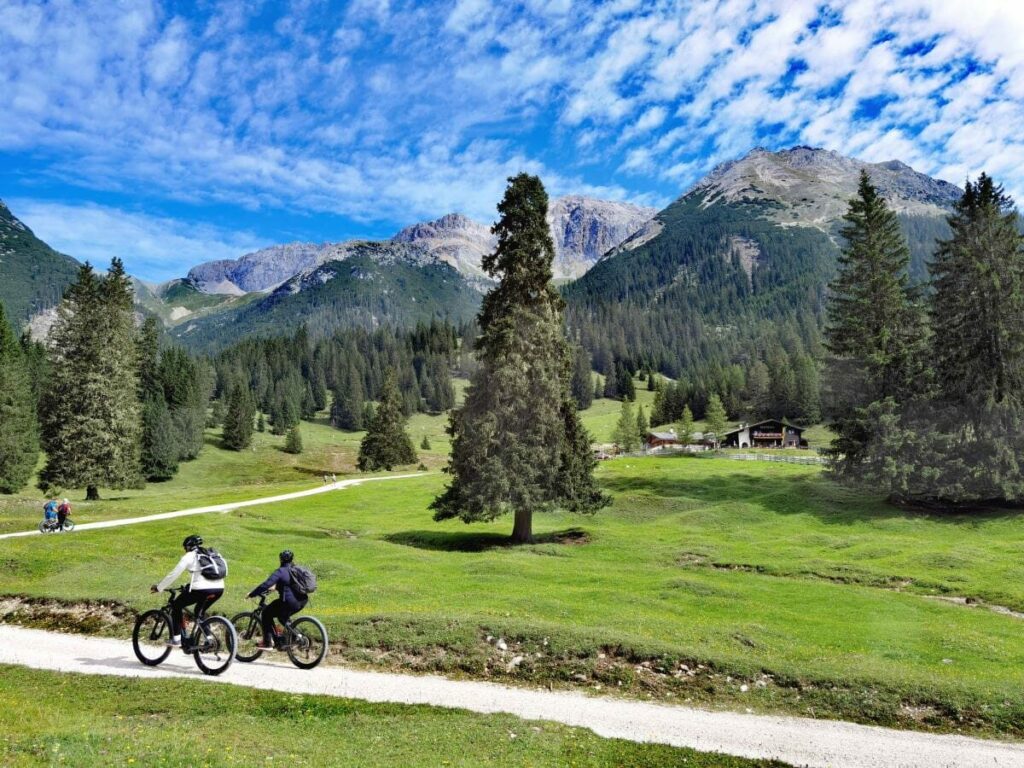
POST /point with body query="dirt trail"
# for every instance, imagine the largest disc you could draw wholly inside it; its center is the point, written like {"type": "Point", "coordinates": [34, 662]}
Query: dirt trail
{"type": "Point", "coordinates": [221, 507]}
{"type": "Point", "coordinates": [797, 741]}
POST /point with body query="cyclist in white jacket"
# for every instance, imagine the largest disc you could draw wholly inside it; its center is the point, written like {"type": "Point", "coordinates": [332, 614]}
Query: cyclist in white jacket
{"type": "Point", "coordinates": [201, 592]}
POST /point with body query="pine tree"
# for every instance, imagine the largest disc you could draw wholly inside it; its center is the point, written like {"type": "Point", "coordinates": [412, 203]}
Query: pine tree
{"type": "Point", "coordinates": [808, 392]}
{"type": "Point", "coordinates": [159, 444]}
{"type": "Point", "coordinates": [684, 427]}
{"type": "Point", "coordinates": [626, 387]}
{"type": "Point", "coordinates": [876, 327]}
{"type": "Point", "coordinates": [293, 442]}
{"type": "Point", "coordinates": [386, 443]}
{"type": "Point", "coordinates": [261, 424]}
{"type": "Point", "coordinates": [19, 429]}
{"type": "Point", "coordinates": [643, 426]}
{"type": "Point", "coordinates": [582, 388]}
{"type": "Point", "coordinates": [217, 412]}
{"type": "Point", "coordinates": [91, 411]}
{"type": "Point", "coordinates": [715, 418]}
{"type": "Point", "coordinates": [598, 389]}
{"type": "Point", "coordinates": [238, 419]}
{"type": "Point", "coordinates": [978, 305]}
{"type": "Point", "coordinates": [517, 442]}
{"type": "Point", "coordinates": [425, 443]}
{"type": "Point", "coordinates": [625, 429]}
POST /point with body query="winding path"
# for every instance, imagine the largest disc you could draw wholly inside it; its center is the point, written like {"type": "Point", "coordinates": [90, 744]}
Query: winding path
{"type": "Point", "coordinates": [797, 741]}
{"type": "Point", "coordinates": [222, 507]}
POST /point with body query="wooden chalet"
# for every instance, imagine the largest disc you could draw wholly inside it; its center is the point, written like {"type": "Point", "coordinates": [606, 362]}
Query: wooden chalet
{"type": "Point", "coordinates": [771, 433]}
{"type": "Point", "coordinates": [659, 440]}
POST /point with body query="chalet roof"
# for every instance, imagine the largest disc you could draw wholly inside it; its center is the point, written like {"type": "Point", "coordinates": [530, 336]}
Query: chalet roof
{"type": "Point", "coordinates": [663, 435]}
{"type": "Point", "coordinates": [783, 422]}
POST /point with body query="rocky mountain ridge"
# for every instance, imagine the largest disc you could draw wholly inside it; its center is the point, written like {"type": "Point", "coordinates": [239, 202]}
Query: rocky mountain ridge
{"type": "Point", "coordinates": [812, 186]}
{"type": "Point", "coordinates": [582, 228]}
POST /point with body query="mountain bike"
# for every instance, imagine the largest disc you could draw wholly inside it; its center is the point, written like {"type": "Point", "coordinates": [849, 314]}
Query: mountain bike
{"type": "Point", "coordinates": [304, 638]}
{"type": "Point", "coordinates": [51, 526]}
{"type": "Point", "coordinates": [210, 640]}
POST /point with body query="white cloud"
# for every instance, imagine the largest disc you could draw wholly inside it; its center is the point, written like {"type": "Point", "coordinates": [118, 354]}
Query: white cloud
{"type": "Point", "coordinates": [155, 248]}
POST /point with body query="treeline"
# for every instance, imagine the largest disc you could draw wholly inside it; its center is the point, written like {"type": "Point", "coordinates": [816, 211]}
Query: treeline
{"type": "Point", "coordinates": [776, 375]}
{"type": "Point", "coordinates": [926, 390]}
{"type": "Point", "coordinates": [296, 377]}
{"type": "Point", "coordinates": [105, 403]}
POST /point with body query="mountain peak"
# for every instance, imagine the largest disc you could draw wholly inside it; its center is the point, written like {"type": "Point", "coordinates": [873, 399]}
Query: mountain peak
{"type": "Point", "coordinates": [820, 182]}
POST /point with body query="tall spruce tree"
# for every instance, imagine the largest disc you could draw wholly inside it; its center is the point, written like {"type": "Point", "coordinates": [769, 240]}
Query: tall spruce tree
{"type": "Point", "coordinates": [19, 428]}
{"type": "Point", "coordinates": [91, 411]}
{"type": "Point", "coordinates": [582, 386]}
{"type": "Point", "coordinates": [684, 427]}
{"type": "Point", "coordinates": [238, 419]}
{"type": "Point", "coordinates": [518, 445]}
{"type": "Point", "coordinates": [159, 441]}
{"type": "Point", "coordinates": [643, 426]}
{"type": "Point", "coordinates": [876, 330]}
{"type": "Point", "coordinates": [715, 418]}
{"type": "Point", "coordinates": [386, 443]}
{"type": "Point", "coordinates": [625, 428]}
{"type": "Point", "coordinates": [978, 306]}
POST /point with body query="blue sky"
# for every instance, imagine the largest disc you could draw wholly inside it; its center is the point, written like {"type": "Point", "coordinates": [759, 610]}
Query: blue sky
{"type": "Point", "coordinates": [173, 133]}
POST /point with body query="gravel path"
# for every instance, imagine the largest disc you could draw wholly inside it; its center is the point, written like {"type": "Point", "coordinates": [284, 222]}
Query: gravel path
{"type": "Point", "coordinates": [220, 507]}
{"type": "Point", "coordinates": [798, 741]}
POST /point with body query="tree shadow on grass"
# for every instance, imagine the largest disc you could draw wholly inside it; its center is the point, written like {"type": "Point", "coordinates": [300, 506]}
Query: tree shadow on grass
{"type": "Point", "coordinates": [446, 541]}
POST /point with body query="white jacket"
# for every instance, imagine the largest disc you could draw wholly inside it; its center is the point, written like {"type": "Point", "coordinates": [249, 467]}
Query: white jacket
{"type": "Point", "coordinates": [190, 562]}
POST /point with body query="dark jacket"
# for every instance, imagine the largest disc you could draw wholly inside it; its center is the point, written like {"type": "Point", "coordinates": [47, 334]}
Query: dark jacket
{"type": "Point", "coordinates": [281, 580]}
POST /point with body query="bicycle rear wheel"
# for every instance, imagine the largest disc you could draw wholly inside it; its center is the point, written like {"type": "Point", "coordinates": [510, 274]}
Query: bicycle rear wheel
{"type": "Point", "coordinates": [249, 632]}
{"type": "Point", "coordinates": [215, 644]}
{"type": "Point", "coordinates": [307, 646]}
{"type": "Point", "coordinates": [149, 637]}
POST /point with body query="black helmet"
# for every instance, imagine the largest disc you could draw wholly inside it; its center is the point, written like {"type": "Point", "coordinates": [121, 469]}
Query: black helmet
{"type": "Point", "coordinates": [192, 542]}
{"type": "Point", "coordinates": [286, 557]}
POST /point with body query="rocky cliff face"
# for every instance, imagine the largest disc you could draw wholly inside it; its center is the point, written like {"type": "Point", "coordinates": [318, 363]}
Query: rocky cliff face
{"type": "Point", "coordinates": [455, 239]}
{"type": "Point", "coordinates": [812, 187]}
{"type": "Point", "coordinates": [584, 229]}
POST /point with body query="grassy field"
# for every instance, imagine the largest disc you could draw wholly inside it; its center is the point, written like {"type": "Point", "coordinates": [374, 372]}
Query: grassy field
{"type": "Point", "coordinates": [738, 584]}
{"type": "Point", "coordinates": [53, 719]}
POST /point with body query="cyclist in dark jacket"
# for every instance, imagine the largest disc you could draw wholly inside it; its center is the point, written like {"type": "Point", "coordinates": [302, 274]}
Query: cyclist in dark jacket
{"type": "Point", "coordinates": [289, 602]}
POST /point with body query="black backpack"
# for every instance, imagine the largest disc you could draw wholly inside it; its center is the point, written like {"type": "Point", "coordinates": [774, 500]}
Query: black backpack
{"type": "Point", "coordinates": [303, 580]}
{"type": "Point", "coordinates": [211, 564]}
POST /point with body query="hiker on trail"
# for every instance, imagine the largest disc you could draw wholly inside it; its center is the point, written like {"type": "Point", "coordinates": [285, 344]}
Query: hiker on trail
{"type": "Point", "coordinates": [50, 510]}
{"type": "Point", "coordinates": [290, 602]}
{"type": "Point", "coordinates": [62, 513]}
{"type": "Point", "coordinates": [207, 570]}
{"type": "Point", "coordinates": [334, 478]}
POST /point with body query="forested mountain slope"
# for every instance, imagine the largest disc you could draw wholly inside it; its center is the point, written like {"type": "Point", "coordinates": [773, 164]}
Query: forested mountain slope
{"type": "Point", "coordinates": [736, 270]}
{"type": "Point", "coordinates": [32, 275]}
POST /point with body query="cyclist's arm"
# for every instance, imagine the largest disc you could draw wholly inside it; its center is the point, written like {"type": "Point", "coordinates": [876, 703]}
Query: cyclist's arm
{"type": "Point", "coordinates": [267, 585]}
{"type": "Point", "coordinates": [179, 569]}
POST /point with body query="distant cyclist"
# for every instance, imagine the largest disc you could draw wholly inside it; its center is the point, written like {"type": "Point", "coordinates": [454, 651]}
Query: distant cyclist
{"type": "Point", "coordinates": [62, 513]}
{"type": "Point", "coordinates": [290, 602]}
{"type": "Point", "coordinates": [50, 511]}
{"type": "Point", "coordinates": [207, 570]}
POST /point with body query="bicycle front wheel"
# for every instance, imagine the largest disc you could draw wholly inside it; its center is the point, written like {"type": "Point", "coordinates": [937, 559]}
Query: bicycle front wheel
{"type": "Point", "coordinates": [69, 525]}
{"type": "Point", "coordinates": [215, 644]}
{"type": "Point", "coordinates": [249, 632]}
{"type": "Point", "coordinates": [308, 644]}
{"type": "Point", "coordinates": [150, 636]}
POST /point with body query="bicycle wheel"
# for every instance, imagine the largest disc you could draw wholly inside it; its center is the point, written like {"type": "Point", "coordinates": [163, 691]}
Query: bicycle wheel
{"type": "Point", "coordinates": [149, 637]}
{"type": "Point", "coordinates": [307, 646]}
{"type": "Point", "coordinates": [69, 525]}
{"type": "Point", "coordinates": [43, 527]}
{"type": "Point", "coordinates": [215, 643]}
{"type": "Point", "coordinates": [249, 632]}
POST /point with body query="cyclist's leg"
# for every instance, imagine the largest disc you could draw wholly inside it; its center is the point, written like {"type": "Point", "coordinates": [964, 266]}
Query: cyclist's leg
{"type": "Point", "coordinates": [271, 612]}
{"type": "Point", "coordinates": [184, 599]}
{"type": "Point", "coordinates": [205, 598]}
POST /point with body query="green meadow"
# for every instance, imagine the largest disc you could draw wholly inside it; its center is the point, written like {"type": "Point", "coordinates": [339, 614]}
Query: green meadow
{"type": "Point", "coordinates": [65, 719]}
{"type": "Point", "coordinates": [744, 585]}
